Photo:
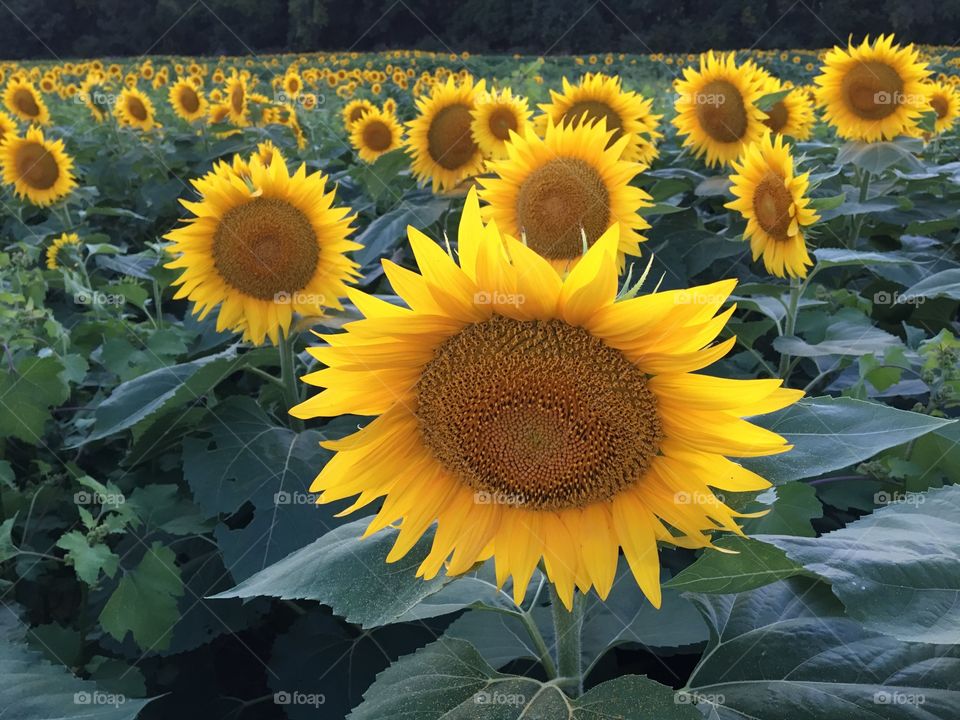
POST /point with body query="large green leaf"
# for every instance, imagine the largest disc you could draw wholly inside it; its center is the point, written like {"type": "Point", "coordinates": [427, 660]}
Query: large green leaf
{"type": "Point", "coordinates": [833, 433]}
{"type": "Point", "coordinates": [897, 571]}
{"type": "Point", "coordinates": [383, 234]}
{"type": "Point", "coordinates": [878, 156]}
{"type": "Point", "coordinates": [749, 564]}
{"type": "Point", "coordinates": [945, 283]}
{"type": "Point", "coordinates": [27, 394]}
{"type": "Point", "coordinates": [788, 651]}
{"type": "Point", "coordinates": [34, 689]}
{"type": "Point", "coordinates": [448, 679]}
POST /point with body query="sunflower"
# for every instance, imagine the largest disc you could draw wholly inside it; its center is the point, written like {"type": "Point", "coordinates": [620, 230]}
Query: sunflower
{"type": "Point", "coordinates": [8, 126]}
{"type": "Point", "coordinates": [24, 101]}
{"type": "Point", "coordinates": [563, 191]}
{"type": "Point", "coordinates": [716, 108]}
{"type": "Point", "coordinates": [93, 94]}
{"type": "Point", "coordinates": [534, 417]}
{"type": "Point", "coordinates": [354, 110]}
{"type": "Point", "coordinates": [39, 169]}
{"type": "Point", "coordinates": [53, 252]}
{"type": "Point", "coordinates": [944, 100]}
{"type": "Point", "coordinates": [375, 134]}
{"type": "Point", "coordinates": [237, 100]}
{"type": "Point", "coordinates": [263, 247]}
{"type": "Point", "coordinates": [497, 115]}
{"type": "Point", "coordinates": [873, 92]}
{"type": "Point", "coordinates": [292, 85]}
{"type": "Point", "coordinates": [439, 139]}
{"type": "Point", "coordinates": [792, 115]}
{"type": "Point", "coordinates": [773, 201]}
{"type": "Point", "coordinates": [599, 96]}
{"type": "Point", "coordinates": [135, 109]}
{"type": "Point", "coordinates": [187, 102]}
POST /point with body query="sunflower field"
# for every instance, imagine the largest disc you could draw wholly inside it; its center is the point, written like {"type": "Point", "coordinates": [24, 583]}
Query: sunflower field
{"type": "Point", "coordinates": [417, 385]}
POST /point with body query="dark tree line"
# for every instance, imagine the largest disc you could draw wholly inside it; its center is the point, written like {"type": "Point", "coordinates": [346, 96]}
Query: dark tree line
{"type": "Point", "coordinates": [84, 28]}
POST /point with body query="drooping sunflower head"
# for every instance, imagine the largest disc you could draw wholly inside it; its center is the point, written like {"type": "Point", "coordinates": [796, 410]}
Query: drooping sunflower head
{"type": "Point", "coordinates": [945, 102]}
{"type": "Point", "coordinates": [535, 417]}
{"type": "Point", "coordinates": [263, 247]}
{"type": "Point", "coordinates": [135, 109]}
{"type": "Point", "coordinates": [716, 108]}
{"type": "Point", "coordinates": [65, 240]}
{"type": "Point", "coordinates": [440, 139]}
{"type": "Point", "coordinates": [873, 91]}
{"type": "Point", "coordinates": [354, 110]}
{"type": "Point", "coordinates": [601, 97]}
{"type": "Point", "coordinates": [374, 134]}
{"type": "Point", "coordinates": [792, 115]}
{"type": "Point", "coordinates": [24, 101]}
{"type": "Point", "coordinates": [498, 114]}
{"type": "Point", "coordinates": [187, 102]}
{"type": "Point", "coordinates": [774, 202]}
{"type": "Point", "coordinates": [560, 193]}
{"type": "Point", "coordinates": [39, 169]}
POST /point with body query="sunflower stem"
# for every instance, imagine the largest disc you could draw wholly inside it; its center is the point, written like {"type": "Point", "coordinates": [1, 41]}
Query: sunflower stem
{"type": "Point", "coordinates": [291, 393]}
{"type": "Point", "coordinates": [568, 625]}
{"type": "Point", "coordinates": [790, 324]}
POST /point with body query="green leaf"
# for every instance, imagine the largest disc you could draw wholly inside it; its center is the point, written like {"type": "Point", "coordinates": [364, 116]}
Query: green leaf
{"type": "Point", "coordinates": [766, 102]}
{"type": "Point", "coordinates": [897, 571]}
{"type": "Point", "coordinates": [350, 574]}
{"type": "Point", "coordinates": [7, 548]}
{"type": "Point", "coordinates": [27, 394]}
{"type": "Point", "coordinates": [828, 203]}
{"type": "Point", "coordinates": [145, 601]}
{"type": "Point", "coordinates": [792, 507]}
{"type": "Point", "coordinates": [752, 564]}
{"type": "Point", "coordinates": [500, 638]}
{"type": "Point", "coordinates": [844, 336]}
{"type": "Point", "coordinates": [35, 689]}
{"type": "Point", "coordinates": [945, 283]}
{"type": "Point", "coordinates": [388, 230]}
{"type": "Point", "coordinates": [878, 156]}
{"type": "Point", "coordinates": [787, 651]}
{"type": "Point", "coordinates": [833, 433]}
{"type": "Point", "coordinates": [88, 560]}
{"type": "Point", "coordinates": [836, 257]}
{"type": "Point", "coordinates": [449, 679]}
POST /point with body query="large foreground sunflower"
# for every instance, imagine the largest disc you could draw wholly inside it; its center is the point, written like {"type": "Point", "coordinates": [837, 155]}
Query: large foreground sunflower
{"type": "Point", "coordinates": [716, 108]}
{"type": "Point", "coordinates": [263, 247]}
{"type": "Point", "coordinates": [374, 134]}
{"type": "Point", "coordinates": [39, 169]}
{"type": "Point", "coordinates": [534, 417]}
{"type": "Point", "coordinates": [135, 109]}
{"type": "Point", "coordinates": [25, 102]}
{"type": "Point", "coordinates": [773, 201]}
{"type": "Point", "coordinates": [187, 102]}
{"type": "Point", "coordinates": [873, 92]}
{"type": "Point", "coordinates": [564, 191]}
{"type": "Point", "coordinates": [440, 139]}
{"type": "Point", "coordinates": [599, 96]}
{"type": "Point", "coordinates": [496, 116]}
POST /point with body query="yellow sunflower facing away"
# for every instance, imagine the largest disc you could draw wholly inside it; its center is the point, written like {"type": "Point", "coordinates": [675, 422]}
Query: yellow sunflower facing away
{"type": "Point", "coordinates": [598, 96]}
{"type": "Point", "coordinates": [354, 110]}
{"type": "Point", "coordinates": [39, 169]}
{"type": "Point", "coordinates": [563, 191]}
{"type": "Point", "coordinates": [25, 102]}
{"type": "Point", "coordinates": [873, 91]}
{"type": "Point", "coordinates": [57, 246]}
{"type": "Point", "coordinates": [187, 102]}
{"type": "Point", "coordinates": [262, 248]}
{"type": "Point", "coordinates": [374, 134]}
{"type": "Point", "coordinates": [792, 115]}
{"type": "Point", "coordinates": [716, 108]}
{"type": "Point", "coordinates": [497, 114]}
{"type": "Point", "coordinates": [135, 109]}
{"type": "Point", "coordinates": [440, 139]}
{"type": "Point", "coordinates": [534, 417]}
{"type": "Point", "coordinates": [945, 101]}
{"type": "Point", "coordinates": [773, 201]}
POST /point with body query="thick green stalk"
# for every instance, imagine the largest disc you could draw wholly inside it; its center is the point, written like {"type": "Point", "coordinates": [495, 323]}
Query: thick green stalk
{"type": "Point", "coordinates": [568, 625]}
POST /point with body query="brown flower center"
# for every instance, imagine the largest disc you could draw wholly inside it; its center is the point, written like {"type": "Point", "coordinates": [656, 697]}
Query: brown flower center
{"type": "Point", "coordinates": [777, 117]}
{"type": "Point", "coordinates": [189, 99]}
{"type": "Point", "coordinates": [595, 111]}
{"type": "Point", "coordinates": [26, 102]}
{"type": "Point", "coordinates": [557, 201]}
{"type": "Point", "coordinates": [771, 205]}
{"type": "Point", "coordinates": [720, 111]}
{"type": "Point", "coordinates": [377, 136]}
{"type": "Point", "coordinates": [873, 90]}
{"type": "Point", "coordinates": [37, 167]}
{"type": "Point", "coordinates": [502, 121]}
{"type": "Point", "coordinates": [537, 414]}
{"type": "Point", "coordinates": [449, 140]}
